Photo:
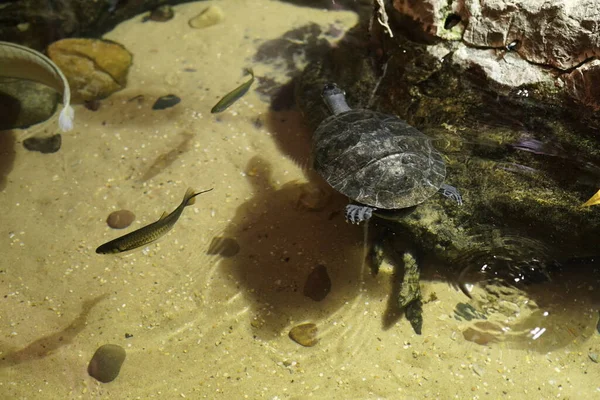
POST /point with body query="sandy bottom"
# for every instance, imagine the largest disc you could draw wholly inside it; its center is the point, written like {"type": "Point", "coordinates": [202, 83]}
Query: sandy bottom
{"type": "Point", "coordinates": [196, 325]}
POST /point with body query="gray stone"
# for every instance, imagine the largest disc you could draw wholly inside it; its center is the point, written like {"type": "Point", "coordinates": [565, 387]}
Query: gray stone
{"type": "Point", "coordinates": [505, 69]}
{"type": "Point", "coordinates": [45, 145]}
{"type": "Point", "coordinates": [120, 219]}
{"type": "Point", "coordinates": [106, 363]}
{"type": "Point", "coordinates": [25, 103]}
{"type": "Point", "coordinates": [561, 34]}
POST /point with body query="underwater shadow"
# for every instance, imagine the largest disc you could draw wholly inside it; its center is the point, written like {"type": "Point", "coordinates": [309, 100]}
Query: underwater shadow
{"type": "Point", "coordinates": [44, 346]}
{"type": "Point", "coordinates": [8, 154]}
{"type": "Point", "coordinates": [280, 242]}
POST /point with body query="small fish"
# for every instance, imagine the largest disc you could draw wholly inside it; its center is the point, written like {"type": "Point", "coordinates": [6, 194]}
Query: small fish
{"type": "Point", "coordinates": [234, 95]}
{"type": "Point", "coordinates": [512, 46]}
{"type": "Point", "coordinates": [149, 233]}
{"type": "Point", "coordinates": [594, 200]}
{"type": "Point", "coordinates": [24, 63]}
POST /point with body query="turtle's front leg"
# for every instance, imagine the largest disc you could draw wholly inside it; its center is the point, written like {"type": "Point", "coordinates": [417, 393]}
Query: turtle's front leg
{"type": "Point", "coordinates": [451, 192]}
{"type": "Point", "coordinates": [409, 297]}
{"type": "Point", "coordinates": [357, 213]}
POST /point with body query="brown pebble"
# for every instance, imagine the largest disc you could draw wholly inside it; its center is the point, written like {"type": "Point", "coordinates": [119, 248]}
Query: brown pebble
{"type": "Point", "coordinates": [106, 363]}
{"type": "Point", "coordinates": [120, 219]}
{"type": "Point", "coordinates": [304, 334]}
{"type": "Point", "coordinates": [318, 284]}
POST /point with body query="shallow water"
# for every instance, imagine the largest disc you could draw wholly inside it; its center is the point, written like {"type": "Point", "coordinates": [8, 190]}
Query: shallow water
{"type": "Point", "coordinates": [200, 323]}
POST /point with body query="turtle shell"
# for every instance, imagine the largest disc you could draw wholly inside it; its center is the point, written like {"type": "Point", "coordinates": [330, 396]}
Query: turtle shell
{"type": "Point", "coordinates": [377, 159]}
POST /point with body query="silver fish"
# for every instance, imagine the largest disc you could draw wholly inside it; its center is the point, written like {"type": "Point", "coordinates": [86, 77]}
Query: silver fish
{"type": "Point", "coordinates": [152, 232]}
{"type": "Point", "coordinates": [234, 95]}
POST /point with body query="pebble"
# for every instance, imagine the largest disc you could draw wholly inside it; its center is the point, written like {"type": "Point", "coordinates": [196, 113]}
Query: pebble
{"type": "Point", "coordinates": [209, 17]}
{"type": "Point", "coordinates": [44, 145]}
{"type": "Point", "coordinates": [165, 102]}
{"type": "Point", "coordinates": [161, 14]}
{"type": "Point", "coordinates": [120, 219]}
{"type": "Point", "coordinates": [318, 284]}
{"type": "Point", "coordinates": [106, 363]}
{"type": "Point", "coordinates": [304, 334]}
{"type": "Point", "coordinates": [593, 356]}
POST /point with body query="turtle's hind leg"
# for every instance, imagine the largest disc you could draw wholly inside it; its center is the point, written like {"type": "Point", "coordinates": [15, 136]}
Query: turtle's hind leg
{"type": "Point", "coordinates": [357, 213]}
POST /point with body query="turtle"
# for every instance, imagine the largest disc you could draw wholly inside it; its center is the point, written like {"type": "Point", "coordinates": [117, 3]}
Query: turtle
{"type": "Point", "coordinates": [377, 160]}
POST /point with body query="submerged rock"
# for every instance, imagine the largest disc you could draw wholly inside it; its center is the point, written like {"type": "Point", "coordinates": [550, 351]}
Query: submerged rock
{"type": "Point", "coordinates": [120, 219]}
{"type": "Point", "coordinates": [210, 16]}
{"type": "Point", "coordinates": [318, 284]}
{"type": "Point", "coordinates": [95, 68]}
{"type": "Point", "coordinates": [106, 363]}
{"type": "Point", "coordinates": [165, 102]}
{"type": "Point", "coordinates": [45, 145]}
{"type": "Point", "coordinates": [24, 103]}
{"type": "Point", "coordinates": [305, 334]}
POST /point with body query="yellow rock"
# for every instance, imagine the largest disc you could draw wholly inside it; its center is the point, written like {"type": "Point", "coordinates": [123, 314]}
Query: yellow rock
{"type": "Point", "coordinates": [95, 68]}
{"type": "Point", "coordinates": [209, 17]}
{"type": "Point", "coordinates": [305, 334]}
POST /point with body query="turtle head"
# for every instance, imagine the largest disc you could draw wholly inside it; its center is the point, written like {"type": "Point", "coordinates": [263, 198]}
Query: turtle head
{"type": "Point", "coordinates": [335, 98]}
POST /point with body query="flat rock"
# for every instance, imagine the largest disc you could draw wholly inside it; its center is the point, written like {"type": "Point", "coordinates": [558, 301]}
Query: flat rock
{"type": "Point", "coordinates": [95, 68]}
{"type": "Point", "coordinates": [45, 145]}
{"type": "Point", "coordinates": [208, 17]}
{"type": "Point", "coordinates": [120, 219]}
{"type": "Point", "coordinates": [505, 69]}
{"type": "Point", "coordinates": [305, 334]}
{"type": "Point", "coordinates": [106, 363]}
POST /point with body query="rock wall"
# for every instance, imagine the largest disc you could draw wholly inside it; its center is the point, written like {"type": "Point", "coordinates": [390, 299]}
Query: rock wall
{"type": "Point", "coordinates": [557, 39]}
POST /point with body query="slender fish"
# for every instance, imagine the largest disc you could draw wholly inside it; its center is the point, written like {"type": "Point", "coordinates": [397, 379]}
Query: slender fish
{"type": "Point", "coordinates": [234, 95]}
{"type": "Point", "coordinates": [22, 62]}
{"type": "Point", "coordinates": [149, 233]}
